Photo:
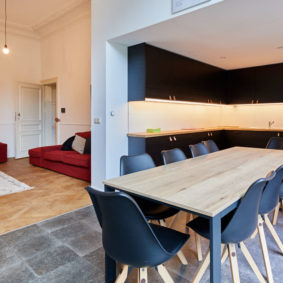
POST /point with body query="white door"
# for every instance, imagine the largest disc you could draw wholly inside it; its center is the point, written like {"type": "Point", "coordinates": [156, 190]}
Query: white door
{"type": "Point", "coordinates": [28, 119]}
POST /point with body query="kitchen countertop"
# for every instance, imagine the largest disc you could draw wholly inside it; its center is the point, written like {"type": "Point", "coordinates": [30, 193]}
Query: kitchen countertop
{"type": "Point", "coordinates": [199, 130]}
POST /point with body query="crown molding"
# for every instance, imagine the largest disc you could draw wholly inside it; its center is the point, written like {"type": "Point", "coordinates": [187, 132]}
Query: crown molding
{"type": "Point", "coordinates": [17, 29]}
{"type": "Point", "coordinates": [72, 5]}
{"type": "Point", "coordinates": [83, 10]}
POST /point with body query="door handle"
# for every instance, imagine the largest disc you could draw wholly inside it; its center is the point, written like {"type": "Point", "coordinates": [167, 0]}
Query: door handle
{"type": "Point", "coordinates": [57, 120]}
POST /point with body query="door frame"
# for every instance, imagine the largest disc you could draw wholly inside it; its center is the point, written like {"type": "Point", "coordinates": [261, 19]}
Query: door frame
{"type": "Point", "coordinates": [57, 109]}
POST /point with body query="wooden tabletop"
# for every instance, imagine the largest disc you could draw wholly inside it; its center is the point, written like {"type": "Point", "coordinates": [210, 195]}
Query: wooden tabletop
{"type": "Point", "coordinates": [207, 184]}
{"type": "Point", "coordinates": [199, 130]}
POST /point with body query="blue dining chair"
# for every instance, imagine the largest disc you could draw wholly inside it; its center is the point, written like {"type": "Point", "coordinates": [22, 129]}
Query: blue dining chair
{"type": "Point", "coordinates": [172, 155]}
{"type": "Point", "coordinates": [236, 227]}
{"type": "Point", "coordinates": [152, 210]}
{"type": "Point", "coordinates": [268, 204]}
{"type": "Point", "coordinates": [129, 239]}
{"type": "Point", "coordinates": [275, 143]}
{"type": "Point", "coordinates": [198, 149]}
{"type": "Point", "coordinates": [276, 211]}
{"type": "Point", "coordinates": [211, 146]}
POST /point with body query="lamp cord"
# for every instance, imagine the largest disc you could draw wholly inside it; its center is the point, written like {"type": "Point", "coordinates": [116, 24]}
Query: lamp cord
{"type": "Point", "coordinates": [5, 22]}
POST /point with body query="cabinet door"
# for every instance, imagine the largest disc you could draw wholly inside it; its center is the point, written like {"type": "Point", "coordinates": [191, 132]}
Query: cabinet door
{"type": "Point", "coordinates": [241, 86]}
{"type": "Point", "coordinates": [257, 139]}
{"type": "Point", "coordinates": [269, 83]}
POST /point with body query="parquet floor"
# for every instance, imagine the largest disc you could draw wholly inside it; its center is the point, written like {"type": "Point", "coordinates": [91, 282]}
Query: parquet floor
{"type": "Point", "coordinates": [53, 194]}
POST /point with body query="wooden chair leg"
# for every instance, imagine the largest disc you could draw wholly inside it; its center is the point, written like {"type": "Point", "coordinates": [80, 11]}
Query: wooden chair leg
{"type": "Point", "coordinates": [162, 223]}
{"type": "Point", "coordinates": [264, 250]}
{"type": "Point", "coordinates": [182, 258]}
{"type": "Point", "coordinates": [273, 233]}
{"type": "Point", "coordinates": [254, 234]}
{"type": "Point", "coordinates": [224, 254]}
{"type": "Point", "coordinates": [275, 214]}
{"type": "Point", "coordinates": [123, 275]}
{"type": "Point", "coordinates": [164, 274]}
{"type": "Point", "coordinates": [202, 268]}
{"type": "Point", "coordinates": [251, 262]}
{"type": "Point", "coordinates": [198, 246]}
{"type": "Point", "coordinates": [175, 220]}
{"type": "Point", "coordinates": [142, 275]}
{"type": "Point", "coordinates": [234, 263]}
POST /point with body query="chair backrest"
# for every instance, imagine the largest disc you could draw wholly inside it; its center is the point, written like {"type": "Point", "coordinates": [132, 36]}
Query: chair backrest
{"type": "Point", "coordinates": [275, 143]}
{"type": "Point", "coordinates": [135, 163]}
{"type": "Point", "coordinates": [173, 155]}
{"type": "Point", "coordinates": [126, 235]}
{"type": "Point", "coordinates": [270, 195]}
{"type": "Point", "coordinates": [211, 146]}
{"type": "Point", "coordinates": [244, 220]}
{"type": "Point", "coordinates": [198, 149]}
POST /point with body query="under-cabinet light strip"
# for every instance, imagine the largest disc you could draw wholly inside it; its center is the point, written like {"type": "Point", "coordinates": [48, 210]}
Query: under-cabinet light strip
{"type": "Point", "coordinates": [180, 102]}
{"type": "Point", "coordinates": [208, 104]}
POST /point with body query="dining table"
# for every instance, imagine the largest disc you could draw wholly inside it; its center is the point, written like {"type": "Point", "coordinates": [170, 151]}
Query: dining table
{"type": "Point", "coordinates": [208, 186]}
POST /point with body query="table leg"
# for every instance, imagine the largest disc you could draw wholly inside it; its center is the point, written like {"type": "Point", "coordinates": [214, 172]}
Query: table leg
{"type": "Point", "coordinates": [215, 249]}
{"type": "Point", "coordinates": [110, 269]}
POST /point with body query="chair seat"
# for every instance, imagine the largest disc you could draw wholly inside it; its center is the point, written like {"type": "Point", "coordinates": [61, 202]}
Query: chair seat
{"type": "Point", "coordinates": [171, 240]}
{"type": "Point", "coordinates": [201, 225]}
{"type": "Point", "coordinates": [154, 211]}
{"type": "Point", "coordinates": [281, 191]}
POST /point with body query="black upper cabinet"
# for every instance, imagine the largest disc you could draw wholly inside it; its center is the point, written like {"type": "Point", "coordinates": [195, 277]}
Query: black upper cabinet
{"type": "Point", "coordinates": [269, 83]}
{"type": "Point", "coordinates": [157, 73]}
{"type": "Point", "coordinates": [241, 86]}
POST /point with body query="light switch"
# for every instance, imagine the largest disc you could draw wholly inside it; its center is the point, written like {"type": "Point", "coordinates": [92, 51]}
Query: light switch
{"type": "Point", "coordinates": [97, 121]}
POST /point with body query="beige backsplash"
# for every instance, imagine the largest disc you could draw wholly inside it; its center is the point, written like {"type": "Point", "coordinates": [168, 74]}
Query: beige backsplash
{"type": "Point", "coordinates": [170, 116]}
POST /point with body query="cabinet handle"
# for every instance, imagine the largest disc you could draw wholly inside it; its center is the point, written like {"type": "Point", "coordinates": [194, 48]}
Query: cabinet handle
{"type": "Point", "coordinates": [170, 97]}
{"type": "Point", "coordinates": [170, 139]}
{"type": "Point", "coordinates": [174, 138]}
{"type": "Point", "coordinates": [174, 97]}
{"type": "Point", "coordinates": [257, 101]}
{"type": "Point", "coordinates": [208, 134]}
{"type": "Point", "coordinates": [278, 134]}
{"type": "Point", "coordinates": [252, 102]}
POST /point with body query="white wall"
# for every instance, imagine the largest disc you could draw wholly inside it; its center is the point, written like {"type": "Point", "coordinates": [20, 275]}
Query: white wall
{"type": "Point", "coordinates": [21, 65]}
{"type": "Point", "coordinates": [111, 19]}
{"type": "Point", "coordinates": [65, 55]}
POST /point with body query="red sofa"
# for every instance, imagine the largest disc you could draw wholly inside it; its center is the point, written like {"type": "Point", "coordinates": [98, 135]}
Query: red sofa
{"type": "Point", "coordinates": [3, 152]}
{"type": "Point", "coordinates": [70, 163]}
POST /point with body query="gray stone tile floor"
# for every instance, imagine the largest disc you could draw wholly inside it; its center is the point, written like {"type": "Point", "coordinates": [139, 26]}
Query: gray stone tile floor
{"type": "Point", "coordinates": [68, 248]}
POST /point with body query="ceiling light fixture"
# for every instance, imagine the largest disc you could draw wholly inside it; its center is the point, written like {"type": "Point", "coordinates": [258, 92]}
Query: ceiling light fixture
{"type": "Point", "coordinates": [6, 49]}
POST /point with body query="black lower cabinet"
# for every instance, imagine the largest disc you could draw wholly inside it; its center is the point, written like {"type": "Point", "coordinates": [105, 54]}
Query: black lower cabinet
{"type": "Point", "coordinates": [223, 139]}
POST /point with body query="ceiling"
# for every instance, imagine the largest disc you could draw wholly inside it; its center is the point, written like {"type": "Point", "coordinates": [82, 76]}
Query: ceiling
{"type": "Point", "coordinates": [33, 13]}
{"type": "Point", "coordinates": [231, 34]}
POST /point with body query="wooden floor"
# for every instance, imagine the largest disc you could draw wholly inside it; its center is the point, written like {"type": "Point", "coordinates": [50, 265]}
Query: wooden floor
{"type": "Point", "coordinates": [53, 194]}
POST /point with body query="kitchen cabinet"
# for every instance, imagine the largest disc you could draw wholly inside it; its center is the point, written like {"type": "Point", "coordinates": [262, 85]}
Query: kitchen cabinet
{"type": "Point", "coordinates": [160, 74]}
{"type": "Point", "coordinates": [223, 138]}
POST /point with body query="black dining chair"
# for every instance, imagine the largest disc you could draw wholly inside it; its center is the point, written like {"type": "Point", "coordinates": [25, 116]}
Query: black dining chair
{"type": "Point", "coordinates": [172, 155]}
{"type": "Point", "coordinates": [275, 143]}
{"type": "Point", "coordinates": [130, 240]}
{"type": "Point", "coordinates": [276, 211]}
{"type": "Point", "coordinates": [268, 204]}
{"type": "Point", "coordinates": [152, 210]}
{"type": "Point", "coordinates": [236, 227]}
{"type": "Point", "coordinates": [198, 149]}
{"type": "Point", "coordinates": [211, 146]}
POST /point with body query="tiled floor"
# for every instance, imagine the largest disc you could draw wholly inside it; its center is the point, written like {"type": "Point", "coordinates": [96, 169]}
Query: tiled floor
{"type": "Point", "coordinates": [68, 248]}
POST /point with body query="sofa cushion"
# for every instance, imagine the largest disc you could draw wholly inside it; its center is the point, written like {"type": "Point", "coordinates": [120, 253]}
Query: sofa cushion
{"type": "Point", "coordinates": [84, 134]}
{"type": "Point", "coordinates": [67, 145]}
{"type": "Point", "coordinates": [35, 152]}
{"type": "Point", "coordinates": [74, 158]}
{"type": "Point", "coordinates": [79, 144]}
{"type": "Point", "coordinates": [56, 155]}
